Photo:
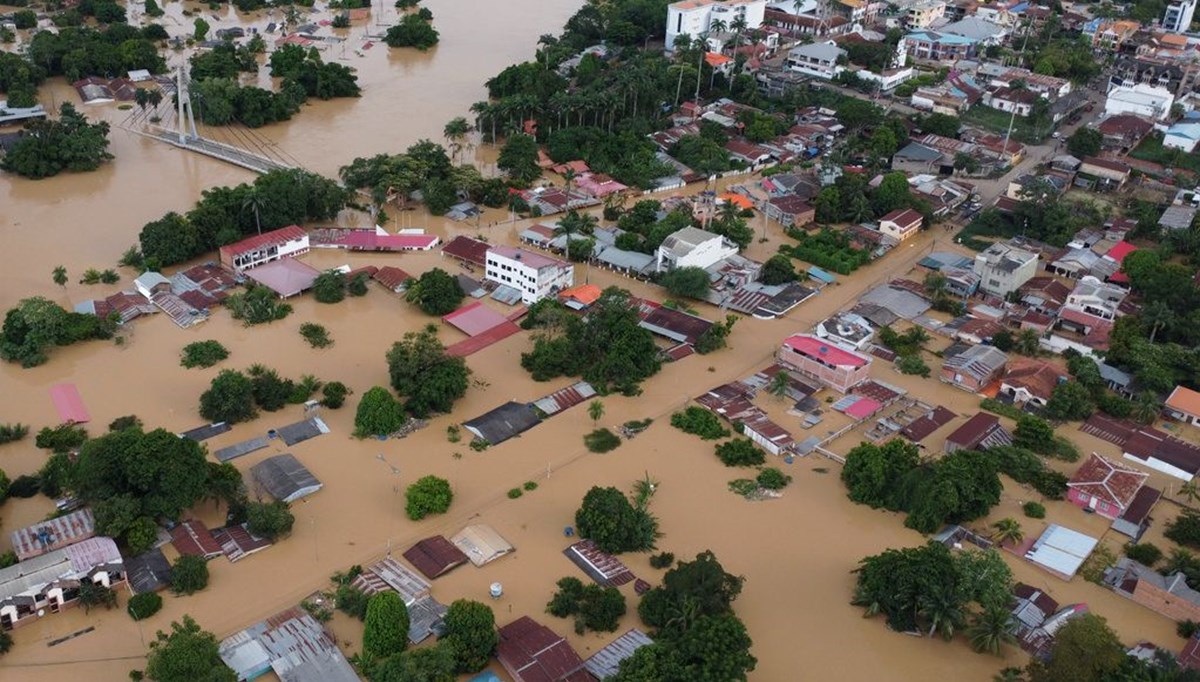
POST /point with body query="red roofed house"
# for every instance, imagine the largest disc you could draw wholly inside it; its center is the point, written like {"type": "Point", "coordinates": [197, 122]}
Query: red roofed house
{"type": "Point", "coordinates": [286, 242]}
{"type": "Point", "coordinates": [535, 275]}
{"type": "Point", "coordinates": [790, 210]}
{"type": "Point", "coordinates": [720, 63]}
{"type": "Point", "coordinates": [901, 224]}
{"type": "Point", "coordinates": [1031, 381]}
{"type": "Point", "coordinates": [531, 652]}
{"type": "Point", "coordinates": [980, 432]}
{"type": "Point", "coordinates": [1184, 404]}
{"type": "Point", "coordinates": [467, 249]}
{"type": "Point", "coordinates": [599, 185]}
{"type": "Point", "coordinates": [1105, 487]}
{"type": "Point", "coordinates": [835, 367]}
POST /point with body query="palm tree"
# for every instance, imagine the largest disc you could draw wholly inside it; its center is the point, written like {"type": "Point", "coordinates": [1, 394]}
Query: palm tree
{"type": "Point", "coordinates": [1189, 492]}
{"type": "Point", "coordinates": [1008, 530]}
{"type": "Point", "coordinates": [595, 411]}
{"type": "Point", "coordinates": [944, 613]}
{"type": "Point", "coordinates": [455, 132]}
{"type": "Point", "coordinates": [1181, 560]}
{"type": "Point", "coordinates": [569, 176]}
{"type": "Point", "coordinates": [990, 630]}
{"type": "Point", "coordinates": [1027, 343]}
{"type": "Point", "coordinates": [253, 201]}
{"type": "Point", "coordinates": [644, 489]}
{"type": "Point", "coordinates": [60, 276]}
{"type": "Point", "coordinates": [1158, 315]}
{"type": "Point", "coordinates": [779, 385]}
{"type": "Point", "coordinates": [1146, 408]}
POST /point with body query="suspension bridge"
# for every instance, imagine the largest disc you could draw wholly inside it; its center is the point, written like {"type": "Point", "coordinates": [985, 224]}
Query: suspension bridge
{"type": "Point", "coordinates": [175, 124]}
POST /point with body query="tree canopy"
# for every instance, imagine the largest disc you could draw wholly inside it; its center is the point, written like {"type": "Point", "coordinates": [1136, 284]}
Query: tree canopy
{"type": "Point", "coordinates": [607, 517]}
{"type": "Point", "coordinates": [1085, 649]}
{"type": "Point", "coordinates": [186, 654]}
{"type": "Point", "coordinates": [386, 631]}
{"type": "Point", "coordinates": [436, 292]}
{"type": "Point", "coordinates": [421, 371]}
{"type": "Point", "coordinates": [470, 634]}
{"type": "Point", "coordinates": [379, 414]}
{"type": "Point", "coordinates": [428, 495]}
{"type": "Point", "coordinates": [37, 324]}
{"type": "Point", "coordinates": [412, 31]}
{"type": "Point", "coordinates": [687, 282]}
{"type": "Point", "coordinates": [50, 147]}
{"type": "Point", "coordinates": [229, 398]}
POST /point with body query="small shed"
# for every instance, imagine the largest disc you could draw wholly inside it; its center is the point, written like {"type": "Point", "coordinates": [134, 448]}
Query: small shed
{"type": "Point", "coordinates": [482, 544]}
{"type": "Point", "coordinates": [435, 556]}
{"type": "Point", "coordinates": [389, 574]}
{"type": "Point", "coordinates": [285, 478]}
{"type": "Point", "coordinates": [149, 572]}
{"type": "Point", "coordinates": [69, 404]}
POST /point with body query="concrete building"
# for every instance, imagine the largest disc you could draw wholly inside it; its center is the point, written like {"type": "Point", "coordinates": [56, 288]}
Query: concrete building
{"type": "Point", "coordinates": [901, 224]}
{"type": "Point", "coordinates": [49, 583]}
{"type": "Point", "coordinates": [922, 14]}
{"type": "Point", "coordinates": [694, 17]}
{"type": "Point", "coordinates": [286, 242]}
{"type": "Point", "coordinates": [1096, 298]}
{"type": "Point", "coordinates": [835, 367]}
{"type": "Point", "coordinates": [1178, 16]}
{"type": "Point", "coordinates": [819, 60]}
{"type": "Point", "coordinates": [693, 247]}
{"type": "Point", "coordinates": [939, 47]}
{"type": "Point", "coordinates": [1105, 487]}
{"type": "Point", "coordinates": [1184, 404]}
{"type": "Point", "coordinates": [1167, 595]}
{"type": "Point", "coordinates": [1141, 99]}
{"type": "Point", "coordinates": [535, 275]}
{"type": "Point", "coordinates": [974, 368]}
{"type": "Point", "coordinates": [1184, 134]}
{"type": "Point", "coordinates": [1003, 268]}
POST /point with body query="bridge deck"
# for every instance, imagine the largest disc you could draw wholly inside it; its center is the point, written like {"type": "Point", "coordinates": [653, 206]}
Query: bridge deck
{"type": "Point", "coordinates": [217, 150]}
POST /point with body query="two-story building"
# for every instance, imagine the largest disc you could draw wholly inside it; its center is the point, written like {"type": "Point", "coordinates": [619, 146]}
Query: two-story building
{"type": "Point", "coordinates": [838, 368]}
{"type": "Point", "coordinates": [1177, 18]}
{"type": "Point", "coordinates": [535, 275]}
{"type": "Point", "coordinates": [819, 60]}
{"type": "Point", "coordinates": [1141, 99]}
{"type": "Point", "coordinates": [923, 13]}
{"type": "Point", "coordinates": [694, 17]}
{"type": "Point", "coordinates": [933, 46]}
{"type": "Point", "coordinates": [1003, 268]}
{"type": "Point", "coordinates": [1097, 298]}
{"type": "Point", "coordinates": [286, 242]}
{"type": "Point", "coordinates": [901, 224]}
{"type": "Point", "coordinates": [692, 247]}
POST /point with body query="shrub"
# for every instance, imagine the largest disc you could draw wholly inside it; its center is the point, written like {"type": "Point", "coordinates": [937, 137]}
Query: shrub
{"type": "Point", "coordinates": [429, 495]}
{"type": "Point", "coordinates": [1034, 510]}
{"type": "Point", "coordinates": [316, 335]}
{"type": "Point", "coordinates": [334, 394]}
{"type": "Point", "coordinates": [740, 452]}
{"type": "Point", "coordinates": [1185, 528]}
{"type": "Point", "coordinates": [379, 414]}
{"type": "Point", "coordinates": [1186, 628]}
{"type": "Point", "coordinates": [699, 422]}
{"type": "Point", "coordinates": [351, 601]}
{"type": "Point", "coordinates": [386, 631]}
{"type": "Point", "coordinates": [129, 421]}
{"type": "Point", "coordinates": [530, 486]}
{"type": "Point", "coordinates": [662, 560]}
{"type": "Point", "coordinates": [271, 520]}
{"type": "Point", "coordinates": [189, 575]}
{"type": "Point", "coordinates": [912, 364]}
{"type": "Point", "coordinates": [330, 287]}
{"type": "Point", "coordinates": [601, 440]}
{"type": "Point", "coordinates": [142, 606]}
{"type": "Point", "coordinates": [24, 487]}
{"type": "Point", "coordinates": [1144, 553]}
{"type": "Point", "coordinates": [257, 305]}
{"type": "Point", "coordinates": [62, 438]}
{"type": "Point", "coordinates": [595, 607]}
{"type": "Point", "coordinates": [10, 433]}
{"type": "Point", "coordinates": [773, 479]}
{"type": "Point", "coordinates": [514, 493]}
{"type": "Point", "coordinates": [7, 559]}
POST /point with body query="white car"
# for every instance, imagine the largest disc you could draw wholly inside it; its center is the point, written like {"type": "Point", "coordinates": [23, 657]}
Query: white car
{"type": "Point", "coordinates": [1056, 135]}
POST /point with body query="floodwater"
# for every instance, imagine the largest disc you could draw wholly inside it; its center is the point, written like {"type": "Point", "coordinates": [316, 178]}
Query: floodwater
{"type": "Point", "coordinates": [796, 552]}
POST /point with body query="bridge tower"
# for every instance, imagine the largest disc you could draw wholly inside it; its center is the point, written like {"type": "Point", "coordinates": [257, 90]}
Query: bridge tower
{"type": "Point", "coordinates": [187, 121]}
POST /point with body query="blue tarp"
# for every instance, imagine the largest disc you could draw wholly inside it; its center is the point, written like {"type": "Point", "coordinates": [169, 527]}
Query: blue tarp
{"type": "Point", "coordinates": [819, 274]}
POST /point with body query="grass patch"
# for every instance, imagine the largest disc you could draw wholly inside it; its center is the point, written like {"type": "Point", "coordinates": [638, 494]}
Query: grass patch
{"type": "Point", "coordinates": [1152, 149]}
{"type": "Point", "coordinates": [514, 493]}
{"type": "Point", "coordinates": [601, 440]}
{"type": "Point", "coordinates": [997, 122]}
{"type": "Point", "coordinates": [997, 407]}
{"type": "Point", "coordinates": [203, 354]}
{"type": "Point", "coordinates": [316, 335]}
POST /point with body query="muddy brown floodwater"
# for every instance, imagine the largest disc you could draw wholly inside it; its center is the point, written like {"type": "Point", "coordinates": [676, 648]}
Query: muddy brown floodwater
{"type": "Point", "coordinates": [796, 552]}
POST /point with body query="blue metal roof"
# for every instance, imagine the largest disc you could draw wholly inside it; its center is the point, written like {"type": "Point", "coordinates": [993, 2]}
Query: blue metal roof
{"type": "Point", "coordinates": [818, 273]}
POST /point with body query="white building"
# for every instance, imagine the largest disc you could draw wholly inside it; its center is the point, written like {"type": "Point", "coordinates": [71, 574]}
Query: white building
{"type": "Point", "coordinates": [693, 247]}
{"type": "Point", "coordinates": [1178, 17]}
{"type": "Point", "coordinates": [286, 242]}
{"type": "Point", "coordinates": [1141, 100]}
{"type": "Point", "coordinates": [1096, 298]}
{"type": "Point", "coordinates": [535, 275]}
{"type": "Point", "coordinates": [901, 224]}
{"type": "Point", "coordinates": [922, 14]}
{"type": "Point", "coordinates": [1183, 135]}
{"type": "Point", "coordinates": [695, 17]}
{"type": "Point", "coordinates": [819, 60]}
{"type": "Point", "coordinates": [1003, 268]}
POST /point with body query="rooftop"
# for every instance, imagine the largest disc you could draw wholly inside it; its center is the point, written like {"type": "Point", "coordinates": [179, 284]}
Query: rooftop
{"type": "Point", "coordinates": [1106, 480]}
{"type": "Point", "coordinates": [259, 241]}
{"type": "Point", "coordinates": [814, 347]}
{"type": "Point", "coordinates": [1184, 399]}
{"type": "Point", "coordinates": [286, 277]}
{"type": "Point", "coordinates": [534, 260]}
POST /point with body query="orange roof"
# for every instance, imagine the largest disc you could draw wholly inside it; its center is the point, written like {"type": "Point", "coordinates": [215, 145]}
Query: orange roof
{"type": "Point", "coordinates": [715, 59]}
{"type": "Point", "coordinates": [1184, 400]}
{"type": "Point", "coordinates": [738, 200]}
{"type": "Point", "coordinates": [586, 294]}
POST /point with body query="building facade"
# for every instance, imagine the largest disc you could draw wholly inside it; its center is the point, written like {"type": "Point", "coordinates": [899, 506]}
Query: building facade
{"type": "Point", "coordinates": [535, 275]}
{"type": "Point", "coordinates": [286, 242]}
{"type": "Point", "coordinates": [817, 359]}
{"type": "Point", "coordinates": [1178, 16]}
{"type": "Point", "coordinates": [693, 247]}
{"type": "Point", "coordinates": [694, 17]}
{"type": "Point", "coordinates": [901, 224]}
{"type": "Point", "coordinates": [49, 583]}
{"type": "Point", "coordinates": [937, 47]}
{"type": "Point", "coordinates": [1003, 268]}
{"type": "Point", "coordinates": [819, 60]}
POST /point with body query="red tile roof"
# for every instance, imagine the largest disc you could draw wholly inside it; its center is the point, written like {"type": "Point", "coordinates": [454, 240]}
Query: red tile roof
{"type": "Point", "coordinates": [391, 277]}
{"type": "Point", "coordinates": [532, 652]}
{"type": "Point", "coordinates": [435, 556]}
{"type": "Point", "coordinates": [814, 347]}
{"type": "Point", "coordinates": [1108, 481]}
{"type": "Point", "coordinates": [1039, 378]}
{"type": "Point", "coordinates": [1184, 399]}
{"type": "Point", "coordinates": [467, 249]}
{"type": "Point", "coordinates": [282, 235]}
{"type": "Point", "coordinates": [192, 538]}
{"type": "Point", "coordinates": [905, 218]}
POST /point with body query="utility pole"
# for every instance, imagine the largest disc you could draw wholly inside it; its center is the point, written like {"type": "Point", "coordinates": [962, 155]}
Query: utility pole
{"type": "Point", "coordinates": [1013, 117]}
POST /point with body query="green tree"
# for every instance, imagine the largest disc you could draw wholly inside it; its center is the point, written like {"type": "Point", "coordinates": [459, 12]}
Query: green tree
{"type": "Point", "coordinates": [186, 654]}
{"type": "Point", "coordinates": [189, 575]}
{"type": "Point", "coordinates": [436, 292]}
{"type": "Point", "coordinates": [203, 354]}
{"type": "Point", "coordinates": [421, 370]}
{"type": "Point", "coordinates": [690, 590]}
{"type": "Point", "coordinates": [1085, 142]}
{"type": "Point", "coordinates": [1034, 433]}
{"type": "Point", "coordinates": [606, 517]}
{"type": "Point", "coordinates": [893, 193]}
{"type": "Point", "coordinates": [229, 398]}
{"type": "Point", "coordinates": [142, 606]}
{"type": "Point", "coordinates": [1070, 401]}
{"type": "Point", "coordinates": [596, 410]}
{"type": "Point", "coordinates": [270, 520]}
{"type": "Point", "coordinates": [386, 631]}
{"type": "Point", "coordinates": [778, 270]}
{"type": "Point", "coordinates": [1085, 649]}
{"type": "Point", "coordinates": [412, 31]}
{"type": "Point", "coordinates": [60, 276]}
{"type": "Point", "coordinates": [519, 159]}
{"type": "Point", "coordinates": [201, 29]}
{"type": "Point", "coordinates": [941, 124]}
{"type": "Point", "coordinates": [990, 630]}
{"type": "Point", "coordinates": [379, 414]}
{"type": "Point", "coordinates": [740, 452]}
{"type": "Point", "coordinates": [902, 583]}
{"type": "Point", "coordinates": [470, 634]}
{"type": "Point", "coordinates": [330, 287]}
{"type": "Point", "coordinates": [50, 147]}
{"type": "Point", "coordinates": [872, 473]}
{"type": "Point", "coordinates": [687, 282]}
{"type": "Point", "coordinates": [428, 495]}
{"type": "Point", "coordinates": [1008, 530]}
{"type": "Point", "coordinates": [428, 664]}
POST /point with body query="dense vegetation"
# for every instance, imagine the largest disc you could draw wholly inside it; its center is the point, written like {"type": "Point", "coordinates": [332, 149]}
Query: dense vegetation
{"type": "Point", "coordinates": [607, 517]}
{"type": "Point", "coordinates": [428, 495]}
{"type": "Point", "coordinates": [412, 31]}
{"type": "Point", "coordinates": [50, 147]}
{"type": "Point", "coordinates": [426, 167]}
{"type": "Point", "coordinates": [203, 354]}
{"type": "Point", "coordinates": [436, 292]}
{"type": "Point", "coordinates": [226, 214]}
{"type": "Point", "coordinates": [594, 607]}
{"type": "Point", "coordinates": [420, 370]}
{"type": "Point", "coordinates": [38, 324]}
{"type": "Point", "coordinates": [186, 654]}
{"type": "Point", "coordinates": [699, 422]}
{"type": "Point", "coordinates": [962, 486]}
{"type": "Point", "coordinates": [379, 414]}
{"type": "Point", "coordinates": [607, 348]}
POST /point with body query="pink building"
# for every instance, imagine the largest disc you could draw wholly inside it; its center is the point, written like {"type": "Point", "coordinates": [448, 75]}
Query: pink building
{"type": "Point", "coordinates": [1105, 487]}
{"type": "Point", "coordinates": [835, 367]}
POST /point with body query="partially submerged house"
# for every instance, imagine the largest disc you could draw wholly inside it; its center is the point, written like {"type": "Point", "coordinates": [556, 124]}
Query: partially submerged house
{"type": "Point", "coordinates": [506, 421]}
{"type": "Point", "coordinates": [52, 534]}
{"type": "Point", "coordinates": [974, 368]}
{"type": "Point", "coordinates": [285, 478]}
{"type": "Point", "coordinates": [1104, 487]}
{"type": "Point", "coordinates": [604, 663]}
{"type": "Point", "coordinates": [1168, 595]}
{"type": "Point", "coordinates": [1061, 551]}
{"type": "Point", "coordinates": [815, 358]}
{"type": "Point", "coordinates": [532, 652]}
{"type": "Point", "coordinates": [49, 583]}
{"type": "Point", "coordinates": [148, 572]}
{"type": "Point", "coordinates": [605, 569]}
{"type": "Point", "coordinates": [980, 432]}
{"type": "Point", "coordinates": [1136, 518]}
{"type": "Point", "coordinates": [192, 538]}
{"type": "Point", "coordinates": [293, 645]}
{"type": "Point", "coordinates": [435, 556]}
{"type": "Point", "coordinates": [482, 544]}
{"type": "Point", "coordinates": [286, 242]}
{"type": "Point", "coordinates": [1030, 382]}
{"type": "Point", "coordinates": [286, 277]}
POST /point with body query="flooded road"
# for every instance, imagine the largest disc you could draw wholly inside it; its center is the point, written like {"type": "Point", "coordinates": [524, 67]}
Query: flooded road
{"type": "Point", "coordinates": [796, 553]}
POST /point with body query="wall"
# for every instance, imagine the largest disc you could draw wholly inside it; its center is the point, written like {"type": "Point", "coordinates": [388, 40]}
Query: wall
{"type": "Point", "coordinates": [1169, 605]}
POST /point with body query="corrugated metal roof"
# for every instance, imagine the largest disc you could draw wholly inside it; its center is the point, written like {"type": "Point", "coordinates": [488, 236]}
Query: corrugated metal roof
{"type": "Point", "coordinates": [565, 398]}
{"type": "Point", "coordinates": [53, 534]}
{"type": "Point", "coordinates": [603, 664]}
